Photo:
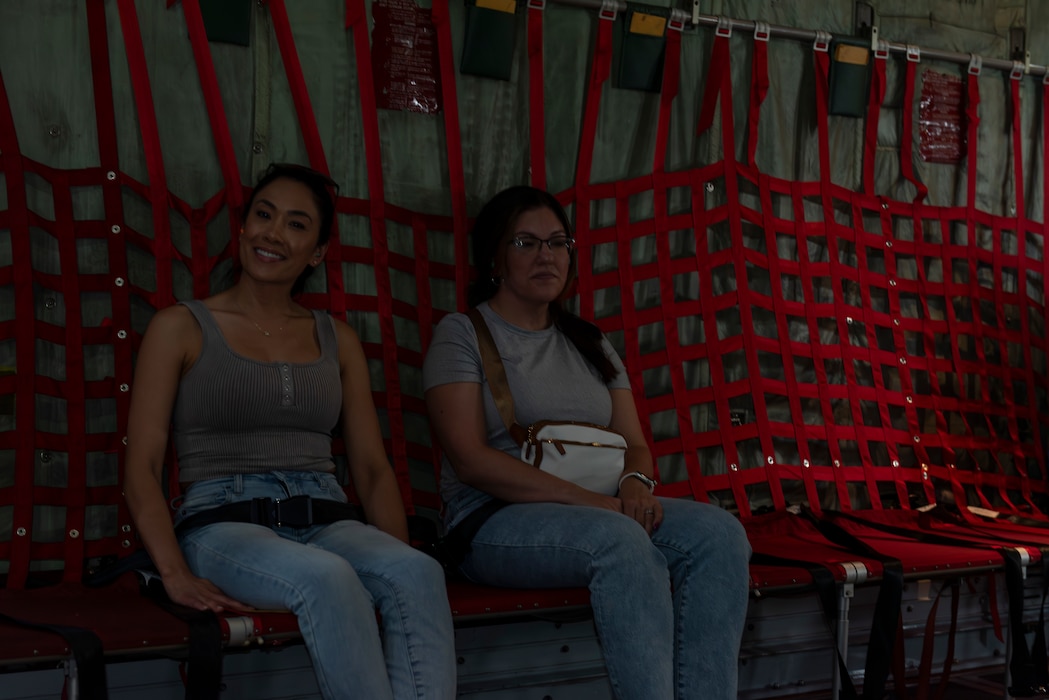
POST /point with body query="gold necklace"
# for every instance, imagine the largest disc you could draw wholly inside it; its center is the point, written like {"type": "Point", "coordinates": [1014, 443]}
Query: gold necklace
{"type": "Point", "coordinates": [263, 330]}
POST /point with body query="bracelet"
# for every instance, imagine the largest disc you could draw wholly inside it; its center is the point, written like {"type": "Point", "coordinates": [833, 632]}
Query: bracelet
{"type": "Point", "coordinates": [643, 478]}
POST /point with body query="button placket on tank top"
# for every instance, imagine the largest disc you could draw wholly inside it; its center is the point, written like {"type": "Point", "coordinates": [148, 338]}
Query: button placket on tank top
{"type": "Point", "coordinates": [287, 390]}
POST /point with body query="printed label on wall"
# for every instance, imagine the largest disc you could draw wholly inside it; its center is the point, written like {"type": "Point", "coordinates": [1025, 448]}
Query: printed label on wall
{"type": "Point", "coordinates": [941, 119]}
{"type": "Point", "coordinates": [404, 57]}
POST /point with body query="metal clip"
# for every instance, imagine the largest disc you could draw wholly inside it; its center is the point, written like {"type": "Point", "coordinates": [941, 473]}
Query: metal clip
{"type": "Point", "coordinates": [762, 31]}
{"type": "Point", "coordinates": [1018, 70]}
{"type": "Point", "coordinates": [676, 23]}
{"type": "Point", "coordinates": [914, 54]}
{"type": "Point", "coordinates": [724, 27]}
{"type": "Point", "coordinates": [537, 4]}
{"type": "Point", "coordinates": [608, 10]}
{"type": "Point", "coordinates": [822, 42]}
{"type": "Point", "coordinates": [882, 51]}
{"type": "Point", "coordinates": [975, 64]}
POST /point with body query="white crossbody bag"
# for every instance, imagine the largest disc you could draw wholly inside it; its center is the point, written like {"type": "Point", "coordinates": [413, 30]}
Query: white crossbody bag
{"type": "Point", "coordinates": [589, 455]}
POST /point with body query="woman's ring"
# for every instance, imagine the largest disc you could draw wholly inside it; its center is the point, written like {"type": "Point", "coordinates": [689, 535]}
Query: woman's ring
{"type": "Point", "coordinates": [650, 512]}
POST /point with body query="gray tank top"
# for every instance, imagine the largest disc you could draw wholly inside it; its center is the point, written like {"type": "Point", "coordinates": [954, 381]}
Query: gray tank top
{"type": "Point", "coordinates": [235, 415]}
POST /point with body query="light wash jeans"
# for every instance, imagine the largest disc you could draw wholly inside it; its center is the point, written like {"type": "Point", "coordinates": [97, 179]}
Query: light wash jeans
{"type": "Point", "coordinates": [657, 645]}
{"type": "Point", "coordinates": [333, 577]}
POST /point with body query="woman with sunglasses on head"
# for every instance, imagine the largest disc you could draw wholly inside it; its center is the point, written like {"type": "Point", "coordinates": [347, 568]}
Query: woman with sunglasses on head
{"type": "Point", "coordinates": [668, 578]}
{"type": "Point", "coordinates": [253, 385]}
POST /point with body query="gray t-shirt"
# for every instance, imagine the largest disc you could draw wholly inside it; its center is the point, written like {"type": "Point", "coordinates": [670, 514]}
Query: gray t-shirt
{"type": "Point", "coordinates": [549, 380]}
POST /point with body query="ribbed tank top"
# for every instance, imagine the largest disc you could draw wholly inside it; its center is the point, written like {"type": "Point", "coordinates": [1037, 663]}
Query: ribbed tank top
{"type": "Point", "coordinates": [235, 415]}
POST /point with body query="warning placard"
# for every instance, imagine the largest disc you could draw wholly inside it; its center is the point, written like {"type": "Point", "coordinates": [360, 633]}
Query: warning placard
{"type": "Point", "coordinates": [404, 57]}
{"type": "Point", "coordinates": [941, 118]}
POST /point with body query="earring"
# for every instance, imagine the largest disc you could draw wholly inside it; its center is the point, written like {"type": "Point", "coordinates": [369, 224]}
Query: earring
{"type": "Point", "coordinates": [496, 280]}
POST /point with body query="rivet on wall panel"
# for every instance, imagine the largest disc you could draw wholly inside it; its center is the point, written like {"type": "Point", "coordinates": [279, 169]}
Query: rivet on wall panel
{"type": "Point", "coordinates": [20, 532]}
{"type": "Point", "coordinates": [115, 228]}
{"type": "Point", "coordinates": [55, 131]}
{"type": "Point", "coordinates": [121, 334]}
{"type": "Point", "coordinates": [119, 281]}
{"type": "Point", "coordinates": [50, 303]}
{"type": "Point", "coordinates": [74, 534]}
{"type": "Point", "coordinates": [45, 457]}
{"type": "Point", "coordinates": [124, 387]}
{"type": "Point", "coordinates": [111, 175]}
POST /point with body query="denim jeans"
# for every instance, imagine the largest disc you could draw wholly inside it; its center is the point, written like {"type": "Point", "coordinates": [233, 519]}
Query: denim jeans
{"type": "Point", "coordinates": [669, 610]}
{"type": "Point", "coordinates": [333, 577]}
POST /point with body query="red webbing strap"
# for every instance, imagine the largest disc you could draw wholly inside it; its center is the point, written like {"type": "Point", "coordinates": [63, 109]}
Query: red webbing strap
{"type": "Point", "coordinates": [784, 308]}
{"type": "Point", "coordinates": [1038, 424]}
{"type": "Point", "coordinates": [759, 88]}
{"type": "Point", "coordinates": [536, 111]}
{"type": "Point", "coordinates": [600, 68]}
{"type": "Point", "coordinates": [894, 285]}
{"type": "Point", "coordinates": [675, 358]}
{"type": "Point", "coordinates": [220, 133]}
{"type": "Point", "coordinates": [1018, 299]}
{"type": "Point", "coordinates": [923, 250]}
{"type": "Point", "coordinates": [162, 248]}
{"type": "Point", "coordinates": [721, 61]}
{"type": "Point", "coordinates": [311, 138]}
{"type": "Point", "coordinates": [624, 190]}
{"type": "Point", "coordinates": [453, 140]}
{"type": "Point", "coordinates": [821, 57]}
{"type": "Point", "coordinates": [311, 135]}
{"type": "Point", "coordinates": [24, 380]}
{"type": "Point", "coordinates": [907, 133]}
{"type": "Point", "coordinates": [119, 330]}
{"type": "Point", "coordinates": [74, 495]}
{"type": "Point", "coordinates": [716, 75]}
{"type": "Point", "coordinates": [870, 141]}
{"type": "Point", "coordinates": [356, 18]}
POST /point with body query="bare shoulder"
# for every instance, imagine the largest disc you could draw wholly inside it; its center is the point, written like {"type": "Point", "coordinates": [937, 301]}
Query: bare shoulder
{"type": "Point", "coordinates": [347, 336]}
{"type": "Point", "coordinates": [173, 333]}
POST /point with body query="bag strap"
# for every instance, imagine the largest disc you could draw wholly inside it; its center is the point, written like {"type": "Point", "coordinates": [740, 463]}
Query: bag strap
{"type": "Point", "coordinates": [496, 374]}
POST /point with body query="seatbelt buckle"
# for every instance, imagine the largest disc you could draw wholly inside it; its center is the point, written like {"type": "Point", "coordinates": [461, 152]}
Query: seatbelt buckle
{"type": "Point", "coordinates": [537, 4]}
{"type": "Point", "coordinates": [295, 512]}
{"type": "Point", "coordinates": [608, 10]}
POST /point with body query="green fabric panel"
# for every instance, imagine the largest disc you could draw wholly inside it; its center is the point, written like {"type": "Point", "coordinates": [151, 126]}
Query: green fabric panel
{"type": "Point", "coordinates": [227, 21]}
{"type": "Point", "coordinates": [488, 42]}
{"type": "Point", "coordinates": [639, 57]}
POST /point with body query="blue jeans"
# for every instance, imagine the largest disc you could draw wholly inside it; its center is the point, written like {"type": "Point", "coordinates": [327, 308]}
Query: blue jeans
{"type": "Point", "coordinates": [333, 577]}
{"type": "Point", "coordinates": [669, 610]}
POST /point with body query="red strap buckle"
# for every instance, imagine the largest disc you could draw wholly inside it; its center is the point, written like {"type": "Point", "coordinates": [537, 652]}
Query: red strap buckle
{"type": "Point", "coordinates": [822, 42]}
{"type": "Point", "coordinates": [914, 54]}
{"type": "Point", "coordinates": [676, 23]}
{"type": "Point", "coordinates": [1018, 71]}
{"type": "Point", "coordinates": [762, 31]}
{"type": "Point", "coordinates": [882, 51]}
{"type": "Point", "coordinates": [537, 4]}
{"type": "Point", "coordinates": [608, 10]}
{"type": "Point", "coordinates": [975, 64]}
{"type": "Point", "coordinates": [724, 27]}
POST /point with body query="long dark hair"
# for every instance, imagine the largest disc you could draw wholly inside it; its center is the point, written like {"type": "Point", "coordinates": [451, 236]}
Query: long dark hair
{"type": "Point", "coordinates": [493, 224]}
{"type": "Point", "coordinates": [324, 191]}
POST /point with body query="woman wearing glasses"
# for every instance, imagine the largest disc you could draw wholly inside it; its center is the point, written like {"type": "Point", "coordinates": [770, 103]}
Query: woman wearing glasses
{"type": "Point", "coordinates": [668, 578]}
{"type": "Point", "coordinates": [253, 386]}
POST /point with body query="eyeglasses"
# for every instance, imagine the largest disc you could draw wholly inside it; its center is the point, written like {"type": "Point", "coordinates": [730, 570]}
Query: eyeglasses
{"type": "Point", "coordinates": [531, 244]}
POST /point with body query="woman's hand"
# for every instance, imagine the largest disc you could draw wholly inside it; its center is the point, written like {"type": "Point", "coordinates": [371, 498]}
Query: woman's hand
{"type": "Point", "coordinates": [641, 505]}
{"type": "Point", "coordinates": [198, 593]}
